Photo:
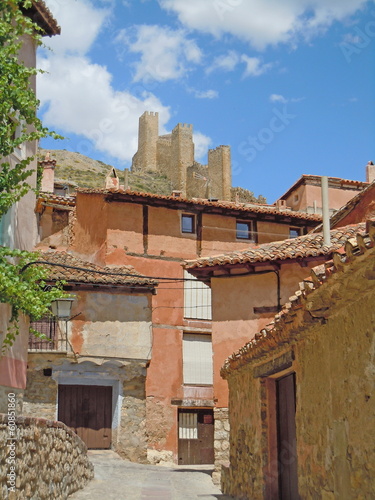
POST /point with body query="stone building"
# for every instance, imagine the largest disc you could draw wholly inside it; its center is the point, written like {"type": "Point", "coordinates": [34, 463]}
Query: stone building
{"type": "Point", "coordinates": [90, 373]}
{"type": "Point", "coordinates": [248, 287]}
{"type": "Point", "coordinates": [173, 155]}
{"type": "Point", "coordinates": [18, 227]}
{"type": "Point", "coordinates": [301, 392]}
{"type": "Point", "coordinates": [155, 234]}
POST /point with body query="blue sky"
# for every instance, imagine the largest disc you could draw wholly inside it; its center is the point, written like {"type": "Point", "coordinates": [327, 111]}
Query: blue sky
{"type": "Point", "coordinates": [288, 85]}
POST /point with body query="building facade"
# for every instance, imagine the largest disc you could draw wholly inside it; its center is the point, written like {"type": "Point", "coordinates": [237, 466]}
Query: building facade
{"type": "Point", "coordinates": [155, 234]}
{"type": "Point", "coordinates": [301, 391]}
{"type": "Point", "coordinates": [18, 227]}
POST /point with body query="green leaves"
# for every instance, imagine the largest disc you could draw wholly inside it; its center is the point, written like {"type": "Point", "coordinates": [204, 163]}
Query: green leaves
{"type": "Point", "coordinates": [25, 290]}
{"type": "Point", "coordinates": [18, 102]}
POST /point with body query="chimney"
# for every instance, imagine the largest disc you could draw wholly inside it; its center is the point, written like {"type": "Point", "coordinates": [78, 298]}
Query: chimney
{"type": "Point", "coordinates": [112, 181]}
{"type": "Point", "coordinates": [48, 176]}
{"type": "Point", "coordinates": [370, 172]}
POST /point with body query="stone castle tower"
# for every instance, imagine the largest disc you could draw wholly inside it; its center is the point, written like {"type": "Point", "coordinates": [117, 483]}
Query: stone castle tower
{"type": "Point", "coordinates": [173, 156]}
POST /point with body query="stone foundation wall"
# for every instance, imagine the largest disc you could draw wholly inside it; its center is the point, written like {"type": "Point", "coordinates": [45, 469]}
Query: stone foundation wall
{"type": "Point", "coordinates": [221, 441]}
{"type": "Point", "coordinates": [44, 460]}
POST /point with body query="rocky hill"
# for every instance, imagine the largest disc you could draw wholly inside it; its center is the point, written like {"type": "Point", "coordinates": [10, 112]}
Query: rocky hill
{"type": "Point", "coordinates": [88, 173]}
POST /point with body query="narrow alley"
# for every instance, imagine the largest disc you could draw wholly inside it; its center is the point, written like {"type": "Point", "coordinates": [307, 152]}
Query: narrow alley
{"type": "Point", "coordinates": [117, 479]}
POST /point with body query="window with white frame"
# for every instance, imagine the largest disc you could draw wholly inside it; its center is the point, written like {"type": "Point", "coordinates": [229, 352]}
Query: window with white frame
{"type": "Point", "coordinates": [197, 359]}
{"type": "Point", "coordinates": [197, 298]}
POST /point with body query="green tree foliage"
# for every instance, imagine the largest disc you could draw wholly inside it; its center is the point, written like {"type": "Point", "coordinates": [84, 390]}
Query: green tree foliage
{"type": "Point", "coordinates": [24, 291]}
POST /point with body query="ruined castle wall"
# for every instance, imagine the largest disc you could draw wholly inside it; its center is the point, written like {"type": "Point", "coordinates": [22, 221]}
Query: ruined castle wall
{"type": "Point", "coordinates": [163, 154]}
{"type": "Point", "coordinates": [182, 155]}
{"type": "Point", "coordinates": [219, 168]}
{"type": "Point", "coordinates": [145, 158]}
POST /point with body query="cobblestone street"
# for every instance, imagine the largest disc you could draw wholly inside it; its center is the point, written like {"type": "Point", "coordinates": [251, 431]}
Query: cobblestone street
{"type": "Point", "coordinates": [117, 479]}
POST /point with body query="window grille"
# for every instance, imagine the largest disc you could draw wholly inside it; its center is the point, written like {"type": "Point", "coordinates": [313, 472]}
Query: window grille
{"type": "Point", "coordinates": [188, 425]}
{"type": "Point", "coordinates": [48, 327]}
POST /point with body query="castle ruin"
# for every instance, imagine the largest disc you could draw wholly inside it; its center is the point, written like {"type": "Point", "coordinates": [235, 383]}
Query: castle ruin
{"type": "Point", "coordinates": [173, 156]}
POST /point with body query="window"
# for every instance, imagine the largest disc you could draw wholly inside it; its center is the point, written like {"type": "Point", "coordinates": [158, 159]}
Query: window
{"type": "Point", "coordinates": [48, 327]}
{"type": "Point", "coordinates": [188, 223]}
{"type": "Point", "coordinates": [188, 425]}
{"type": "Point", "coordinates": [245, 230]}
{"type": "Point", "coordinates": [294, 232]}
{"type": "Point", "coordinates": [197, 298]}
{"type": "Point", "coordinates": [197, 359]}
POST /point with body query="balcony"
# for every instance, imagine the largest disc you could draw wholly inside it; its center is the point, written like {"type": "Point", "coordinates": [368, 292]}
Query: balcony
{"type": "Point", "coordinates": [55, 339]}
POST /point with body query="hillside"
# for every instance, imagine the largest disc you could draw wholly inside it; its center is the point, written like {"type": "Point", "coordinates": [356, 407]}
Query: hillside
{"type": "Point", "coordinates": [88, 173]}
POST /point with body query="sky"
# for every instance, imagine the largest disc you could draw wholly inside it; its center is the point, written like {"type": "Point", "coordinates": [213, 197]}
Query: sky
{"type": "Point", "coordinates": [288, 85]}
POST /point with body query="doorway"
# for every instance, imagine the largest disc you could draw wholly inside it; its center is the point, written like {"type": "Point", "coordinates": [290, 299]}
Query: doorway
{"type": "Point", "coordinates": [196, 437]}
{"type": "Point", "coordinates": [87, 409]}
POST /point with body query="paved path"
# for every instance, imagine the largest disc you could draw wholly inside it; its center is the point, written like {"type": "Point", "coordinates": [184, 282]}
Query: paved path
{"type": "Point", "coordinates": [117, 479]}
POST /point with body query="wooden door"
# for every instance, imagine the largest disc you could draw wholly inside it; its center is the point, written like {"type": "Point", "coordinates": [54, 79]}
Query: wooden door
{"type": "Point", "coordinates": [196, 437]}
{"type": "Point", "coordinates": [286, 438]}
{"type": "Point", "coordinates": [87, 409]}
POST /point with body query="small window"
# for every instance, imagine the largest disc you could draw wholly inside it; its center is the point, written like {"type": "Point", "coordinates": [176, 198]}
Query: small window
{"type": "Point", "coordinates": [294, 232]}
{"type": "Point", "coordinates": [244, 230]}
{"type": "Point", "coordinates": [188, 223]}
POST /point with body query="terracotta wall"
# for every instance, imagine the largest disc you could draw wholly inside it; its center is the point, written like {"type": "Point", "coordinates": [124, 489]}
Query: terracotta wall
{"type": "Point", "coordinates": [234, 321]}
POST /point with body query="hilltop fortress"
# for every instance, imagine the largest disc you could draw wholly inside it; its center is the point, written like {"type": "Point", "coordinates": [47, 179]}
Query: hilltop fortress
{"type": "Point", "coordinates": [173, 156]}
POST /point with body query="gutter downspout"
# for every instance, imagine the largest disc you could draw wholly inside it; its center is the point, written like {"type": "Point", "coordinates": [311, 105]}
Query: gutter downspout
{"type": "Point", "coordinates": [325, 205]}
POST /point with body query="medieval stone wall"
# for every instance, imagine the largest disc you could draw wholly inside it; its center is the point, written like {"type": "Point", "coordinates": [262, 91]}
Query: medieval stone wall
{"type": "Point", "coordinates": [335, 401]}
{"type": "Point", "coordinates": [173, 156]}
{"type": "Point", "coordinates": [44, 460]}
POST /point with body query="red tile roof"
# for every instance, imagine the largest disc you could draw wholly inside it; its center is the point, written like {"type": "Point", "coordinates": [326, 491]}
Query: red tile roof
{"type": "Point", "coordinates": [348, 207]}
{"type": "Point", "coordinates": [64, 266]}
{"type": "Point", "coordinates": [54, 200]}
{"type": "Point", "coordinates": [42, 16]}
{"type": "Point", "coordinates": [124, 195]}
{"type": "Point", "coordinates": [310, 245]}
{"type": "Point", "coordinates": [333, 182]}
{"type": "Point", "coordinates": [278, 332]}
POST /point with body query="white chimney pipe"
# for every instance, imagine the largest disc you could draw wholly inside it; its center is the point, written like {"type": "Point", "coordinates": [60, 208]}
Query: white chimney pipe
{"type": "Point", "coordinates": [325, 205]}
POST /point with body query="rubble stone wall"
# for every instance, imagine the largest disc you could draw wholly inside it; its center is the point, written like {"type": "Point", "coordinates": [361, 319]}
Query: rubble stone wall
{"type": "Point", "coordinates": [221, 441]}
{"type": "Point", "coordinates": [44, 459]}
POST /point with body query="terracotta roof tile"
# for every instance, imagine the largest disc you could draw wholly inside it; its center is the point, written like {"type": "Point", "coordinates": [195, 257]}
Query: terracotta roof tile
{"type": "Point", "coordinates": [230, 205]}
{"type": "Point", "coordinates": [80, 271]}
{"type": "Point", "coordinates": [276, 333]}
{"type": "Point", "coordinates": [309, 245]}
{"type": "Point", "coordinates": [347, 208]}
{"type": "Point", "coordinates": [51, 199]}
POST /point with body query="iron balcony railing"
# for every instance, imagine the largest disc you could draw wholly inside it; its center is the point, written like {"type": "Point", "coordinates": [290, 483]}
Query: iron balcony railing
{"type": "Point", "coordinates": [55, 339]}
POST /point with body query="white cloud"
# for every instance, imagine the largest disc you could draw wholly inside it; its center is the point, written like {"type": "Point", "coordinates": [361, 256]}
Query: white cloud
{"type": "Point", "coordinates": [80, 24]}
{"type": "Point", "coordinates": [69, 90]}
{"type": "Point", "coordinates": [202, 143]}
{"type": "Point", "coordinates": [261, 22]}
{"type": "Point", "coordinates": [254, 66]}
{"type": "Point", "coordinates": [230, 60]}
{"type": "Point", "coordinates": [225, 62]}
{"type": "Point", "coordinates": [166, 54]}
{"type": "Point", "coordinates": [78, 97]}
{"type": "Point", "coordinates": [278, 98]}
{"type": "Point", "coordinates": [284, 100]}
{"type": "Point", "coordinates": [206, 94]}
